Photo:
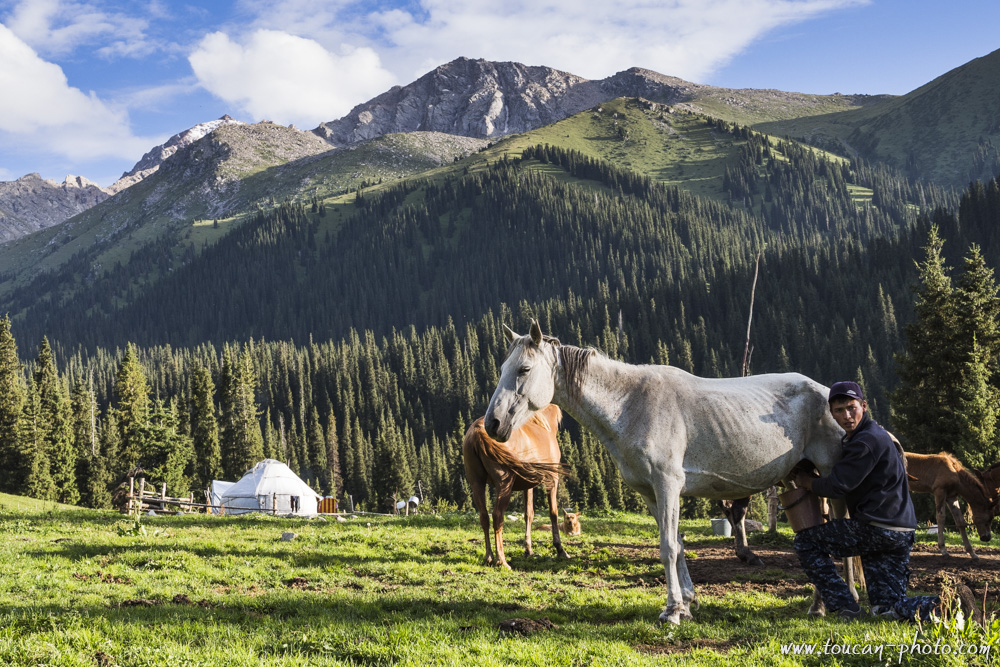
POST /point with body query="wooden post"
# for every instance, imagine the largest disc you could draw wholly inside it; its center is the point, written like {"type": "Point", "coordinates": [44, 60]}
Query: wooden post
{"type": "Point", "coordinates": [142, 490]}
{"type": "Point", "coordinates": [131, 492]}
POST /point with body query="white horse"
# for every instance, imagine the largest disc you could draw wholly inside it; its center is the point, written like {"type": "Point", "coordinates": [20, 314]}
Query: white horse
{"type": "Point", "coordinates": [671, 433]}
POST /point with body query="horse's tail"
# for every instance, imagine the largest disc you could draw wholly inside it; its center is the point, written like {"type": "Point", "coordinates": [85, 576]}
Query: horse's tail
{"type": "Point", "coordinates": [533, 472]}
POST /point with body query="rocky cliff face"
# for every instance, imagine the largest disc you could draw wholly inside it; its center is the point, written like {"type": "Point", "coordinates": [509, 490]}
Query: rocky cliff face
{"type": "Point", "coordinates": [483, 99]}
{"type": "Point", "coordinates": [31, 203]}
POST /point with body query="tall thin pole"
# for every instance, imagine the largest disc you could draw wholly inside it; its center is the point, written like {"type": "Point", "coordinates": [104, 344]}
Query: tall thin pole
{"type": "Point", "coordinates": [746, 347]}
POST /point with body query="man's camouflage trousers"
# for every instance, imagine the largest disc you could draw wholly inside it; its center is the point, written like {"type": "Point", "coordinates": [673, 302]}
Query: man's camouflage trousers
{"type": "Point", "coordinates": [885, 557]}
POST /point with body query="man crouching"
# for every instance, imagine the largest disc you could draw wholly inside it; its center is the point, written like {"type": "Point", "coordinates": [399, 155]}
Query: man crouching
{"type": "Point", "coordinates": [871, 478]}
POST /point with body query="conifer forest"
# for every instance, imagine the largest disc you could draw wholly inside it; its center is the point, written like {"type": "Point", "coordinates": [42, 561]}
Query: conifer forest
{"type": "Point", "coordinates": [358, 346]}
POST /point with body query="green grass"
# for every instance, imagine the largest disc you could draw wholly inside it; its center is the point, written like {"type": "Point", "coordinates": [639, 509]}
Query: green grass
{"type": "Point", "coordinates": [84, 587]}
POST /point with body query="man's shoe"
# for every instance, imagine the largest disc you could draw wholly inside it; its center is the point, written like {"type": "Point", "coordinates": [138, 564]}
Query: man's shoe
{"type": "Point", "coordinates": [886, 613]}
{"type": "Point", "coordinates": [850, 614]}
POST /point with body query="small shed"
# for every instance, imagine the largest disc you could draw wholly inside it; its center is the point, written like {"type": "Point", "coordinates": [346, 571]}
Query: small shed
{"type": "Point", "coordinates": [272, 487]}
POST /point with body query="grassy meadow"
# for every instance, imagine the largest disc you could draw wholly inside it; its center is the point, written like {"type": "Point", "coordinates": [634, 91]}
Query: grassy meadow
{"type": "Point", "coordinates": [80, 587]}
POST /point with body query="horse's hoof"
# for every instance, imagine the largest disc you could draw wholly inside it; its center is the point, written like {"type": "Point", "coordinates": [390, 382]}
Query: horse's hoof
{"type": "Point", "coordinates": [672, 616]}
{"type": "Point", "coordinates": [817, 611]}
{"type": "Point", "coordinates": [755, 561]}
{"type": "Point", "coordinates": [563, 554]}
{"type": "Point", "coordinates": [974, 556]}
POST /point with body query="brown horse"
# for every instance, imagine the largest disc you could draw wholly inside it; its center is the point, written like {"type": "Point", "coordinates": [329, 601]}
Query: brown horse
{"type": "Point", "coordinates": [945, 476]}
{"type": "Point", "coordinates": [529, 458]}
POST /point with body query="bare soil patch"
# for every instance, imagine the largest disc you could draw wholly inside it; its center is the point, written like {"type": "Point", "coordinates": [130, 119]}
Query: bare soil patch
{"type": "Point", "coordinates": [716, 571]}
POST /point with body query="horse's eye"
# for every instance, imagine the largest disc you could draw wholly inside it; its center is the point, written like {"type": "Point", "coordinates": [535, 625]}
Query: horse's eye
{"type": "Point", "coordinates": [523, 370]}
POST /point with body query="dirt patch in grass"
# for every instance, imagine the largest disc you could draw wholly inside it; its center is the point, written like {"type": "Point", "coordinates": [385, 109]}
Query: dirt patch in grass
{"type": "Point", "coordinates": [716, 571]}
{"type": "Point", "coordinates": [525, 626]}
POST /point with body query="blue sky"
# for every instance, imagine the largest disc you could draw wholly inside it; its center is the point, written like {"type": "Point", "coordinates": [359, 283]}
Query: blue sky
{"type": "Point", "coordinates": [88, 86]}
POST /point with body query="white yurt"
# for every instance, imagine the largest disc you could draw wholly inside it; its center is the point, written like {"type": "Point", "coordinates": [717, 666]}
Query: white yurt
{"type": "Point", "coordinates": [272, 487]}
{"type": "Point", "coordinates": [215, 492]}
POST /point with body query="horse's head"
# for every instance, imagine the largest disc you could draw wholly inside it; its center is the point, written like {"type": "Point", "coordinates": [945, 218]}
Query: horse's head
{"type": "Point", "coordinates": [527, 382]}
{"type": "Point", "coordinates": [983, 512]}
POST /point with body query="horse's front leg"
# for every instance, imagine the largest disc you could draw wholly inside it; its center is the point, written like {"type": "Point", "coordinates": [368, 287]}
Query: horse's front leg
{"type": "Point", "coordinates": [504, 488]}
{"type": "Point", "coordinates": [963, 527]}
{"type": "Point", "coordinates": [478, 488]}
{"type": "Point", "coordinates": [668, 517]}
{"type": "Point", "coordinates": [554, 519]}
{"type": "Point", "coordinates": [529, 516]}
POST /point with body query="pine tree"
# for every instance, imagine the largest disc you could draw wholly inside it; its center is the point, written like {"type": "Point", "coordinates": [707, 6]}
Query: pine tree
{"type": "Point", "coordinates": [204, 428]}
{"type": "Point", "coordinates": [170, 456]}
{"type": "Point", "coordinates": [245, 444]}
{"type": "Point", "coordinates": [83, 418]}
{"type": "Point", "coordinates": [55, 430]}
{"type": "Point", "coordinates": [131, 412]}
{"type": "Point", "coordinates": [930, 367]}
{"type": "Point", "coordinates": [12, 397]}
{"type": "Point", "coordinates": [977, 407]}
{"type": "Point", "coordinates": [37, 480]}
{"type": "Point", "coordinates": [336, 487]}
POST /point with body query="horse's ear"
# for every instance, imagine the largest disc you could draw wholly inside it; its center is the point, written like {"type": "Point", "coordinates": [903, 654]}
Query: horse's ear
{"type": "Point", "coordinates": [536, 333]}
{"type": "Point", "coordinates": [509, 334]}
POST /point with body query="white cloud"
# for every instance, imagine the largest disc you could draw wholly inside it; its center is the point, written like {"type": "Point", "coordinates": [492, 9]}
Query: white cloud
{"type": "Point", "coordinates": [285, 78]}
{"type": "Point", "coordinates": [591, 38]}
{"type": "Point", "coordinates": [40, 108]}
{"type": "Point", "coordinates": [58, 27]}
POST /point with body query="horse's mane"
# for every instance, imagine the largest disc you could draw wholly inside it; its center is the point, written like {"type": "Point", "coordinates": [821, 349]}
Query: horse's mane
{"type": "Point", "coordinates": [970, 479]}
{"type": "Point", "coordinates": [539, 417]}
{"type": "Point", "coordinates": [574, 362]}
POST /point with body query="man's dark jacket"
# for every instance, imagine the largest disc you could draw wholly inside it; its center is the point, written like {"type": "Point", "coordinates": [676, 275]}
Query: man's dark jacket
{"type": "Point", "coordinates": [870, 478]}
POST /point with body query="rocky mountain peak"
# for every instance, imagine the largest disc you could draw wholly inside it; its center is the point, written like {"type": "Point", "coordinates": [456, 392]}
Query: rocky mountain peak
{"type": "Point", "coordinates": [32, 203]}
{"type": "Point", "coordinates": [152, 160]}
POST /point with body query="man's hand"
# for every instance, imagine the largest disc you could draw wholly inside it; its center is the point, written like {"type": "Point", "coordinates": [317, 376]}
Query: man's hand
{"type": "Point", "coordinates": [804, 479]}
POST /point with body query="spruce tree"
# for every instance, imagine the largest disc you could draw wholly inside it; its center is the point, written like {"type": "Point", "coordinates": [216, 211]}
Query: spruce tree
{"type": "Point", "coordinates": [204, 428]}
{"type": "Point", "coordinates": [931, 367]}
{"type": "Point", "coordinates": [36, 468]}
{"type": "Point", "coordinates": [12, 397]}
{"type": "Point", "coordinates": [244, 439]}
{"type": "Point", "coordinates": [170, 457]}
{"type": "Point", "coordinates": [54, 426]}
{"type": "Point", "coordinates": [131, 412]}
{"type": "Point", "coordinates": [977, 407]}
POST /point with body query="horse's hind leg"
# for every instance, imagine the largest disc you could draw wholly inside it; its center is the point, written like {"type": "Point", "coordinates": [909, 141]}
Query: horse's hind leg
{"type": "Point", "coordinates": [736, 512]}
{"type": "Point", "coordinates": [962, 526]}
{"type": "Point", "coordinates": [529, 517]}
{"type": "Point", "coordinates": [940, 503]}
{"type": "Point", "coordinates": [554, 519]}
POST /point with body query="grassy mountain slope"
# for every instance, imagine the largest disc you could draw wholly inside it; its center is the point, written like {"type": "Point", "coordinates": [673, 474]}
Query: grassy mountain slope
{"type": "Point", "coordinates": [223, 177]}
{"type": "Point", "coordinates": [412, 252]}
{"type": "Point", "coordinates": [946, 131]}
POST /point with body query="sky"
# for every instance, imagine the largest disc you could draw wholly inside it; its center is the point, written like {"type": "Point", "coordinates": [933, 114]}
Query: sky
{"type": "Point", "coordinates": [88, 86]}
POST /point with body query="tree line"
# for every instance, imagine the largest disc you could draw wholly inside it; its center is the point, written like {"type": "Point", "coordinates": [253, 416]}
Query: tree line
{"type": "Point", "coordinates": [650, 274]}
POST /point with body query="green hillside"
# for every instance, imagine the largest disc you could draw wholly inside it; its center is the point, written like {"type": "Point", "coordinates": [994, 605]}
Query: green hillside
{"type": "Point", "coordinates": [946, 131]}
{"type": "Point", "coordinates": [121, 288]}
{"type": "Point", "coordinates": [222, 177]}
